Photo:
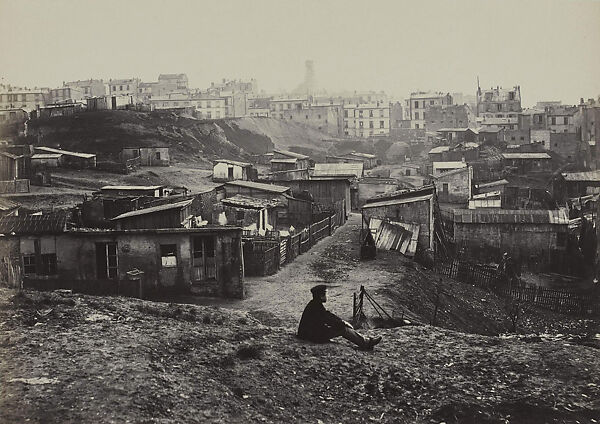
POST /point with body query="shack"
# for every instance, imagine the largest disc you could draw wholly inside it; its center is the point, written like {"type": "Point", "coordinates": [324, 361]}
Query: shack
{"type": "Point", "coordinates": [230, 170]}
{"type": "Point", "coordinates": [170, 215]}
{"type": "Point", "coordinates": [568, 185]}
{"type": "Point", "coordinates": [338, 169]}
{"type": "Point", "coordinates": [454, 186]}
{"type": "Point", "coordinates": [284, 160]}
{"type": "Point", "coordinates": [414, 207]}
{"type": "Point", "coordinates": [48, 160]}
{"type": "Point", "coordinates": [12, 167]}
{"type": "Point", "coordinates": [71, 159]}
{"type": "Point", "coordinates": [327, 193]}
{"type": "Point", "coordinates": [523, 163]}
{"type": "Point", "coordinates": [255, 216]}
{"type": "Point", "coordinates": [528, 235]}
{"type": "Point", "coordinates": [132, 190]}
{"type": "Point", "coordinates": [204, 261]}
{"type": "Point", "coordinates": [149, 156]}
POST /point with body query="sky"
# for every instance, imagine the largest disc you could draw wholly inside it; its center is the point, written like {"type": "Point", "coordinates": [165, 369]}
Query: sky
{"type": "Point", "coordinates": [551, 48]}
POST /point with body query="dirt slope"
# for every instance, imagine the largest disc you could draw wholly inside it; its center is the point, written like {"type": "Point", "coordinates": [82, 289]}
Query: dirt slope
{"type": "Point", "coordinates": [190, 140]}
{"type": "Point", "coordinates": [73, 358]}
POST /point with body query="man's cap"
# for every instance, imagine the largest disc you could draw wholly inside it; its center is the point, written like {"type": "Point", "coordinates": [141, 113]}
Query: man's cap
{"type": "Point", "coordinates": [319, 289]}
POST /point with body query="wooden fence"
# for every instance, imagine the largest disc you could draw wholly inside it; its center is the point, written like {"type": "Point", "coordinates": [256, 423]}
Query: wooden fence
{"type": "Point", "coordinates": [14, 186]}
{"type": "Point", "coordinates": [266, 255]}
{"type": "Point", "coordinates": [486, 277]}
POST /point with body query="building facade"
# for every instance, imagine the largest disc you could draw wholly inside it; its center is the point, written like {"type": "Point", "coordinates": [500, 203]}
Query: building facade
{"type": "Point", "coordinates": [417, 106]}
{"type": "Point", "coordinates": [366, 120]}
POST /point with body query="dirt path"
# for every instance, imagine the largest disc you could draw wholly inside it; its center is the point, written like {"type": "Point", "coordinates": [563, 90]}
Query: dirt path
{"type": "Point", "coordinates": [279, 299]}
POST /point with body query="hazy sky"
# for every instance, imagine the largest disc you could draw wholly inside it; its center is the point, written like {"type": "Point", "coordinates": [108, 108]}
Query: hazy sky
{"type": "Point", "coordinates": [551, 48]}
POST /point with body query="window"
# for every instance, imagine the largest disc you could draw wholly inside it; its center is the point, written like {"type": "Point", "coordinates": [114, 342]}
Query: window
{"type": "Point", "coordinates": [120, 88]}
{"type": "Point", "coordinates": [168, 255]}
{"type": "Point", "coordinates": [417, 126]}
{"type": "Point", "coordinates": [157, 155]}
{"type": "Point", "coordinates": [360, 124]}
{"type": "Point", "coordinates": [371, 124]}
{"type": "Point", "coordinates": [106, 260]}
{"type": "Point", "coordinates": [306, 117]}
{"type": "Point", "coordinates": [319, 116]}
{"type": "Point", "coordinates": [203, 257]}
{"type": "Point", "coordinates": [345, 124]}
{"type": "Point", "coordinates": [48, 264]}
{"type": "Point", "coordinates": [416, 115]}
{"type": "Point", "coordinates": [29, 264]}
{"type": "Point", "coordinates": [360, 113]}
{"type": "Point", "coordinates": [554, 120]}
{"type": "Point", "coordinates": [114, 88]}
{"type": "Point", "coordinates": [381, 124]}
{"type": "Point", "coordinates": [566, 120]}
{"type": "Point", "coordinates": [416, 105]}
{"type": "Point", "coordinates": [371, 113]}
{"type": "Point", "coordinates": [345, 113]}
{"type": "Point", "coordinates": [499, 106]}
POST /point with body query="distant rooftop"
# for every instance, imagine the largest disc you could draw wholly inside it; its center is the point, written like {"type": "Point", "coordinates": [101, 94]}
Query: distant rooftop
{"type": "Point", "coordinates": [65, 152]}
{"type": "Point", "coordinates": [233, 162]}
{"type": "Point", "coordinates": [131, 187]}
{"type": "Point", "coordinates": [503, 216]}
{"type": "Point", "coordinates": [291, 154]}
{"type": "Point", "coordinates": [53, 223]}
{"type": "Point", "coordinates": [589, 176]}
{"type": "Point", "coordinates": [526, 156]}
{"type": "Point", "coordinates": [338, 169]}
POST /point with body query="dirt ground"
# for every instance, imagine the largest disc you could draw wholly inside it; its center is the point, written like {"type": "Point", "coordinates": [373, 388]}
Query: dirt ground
{"type": "Point", "coordinates": [73, 358]}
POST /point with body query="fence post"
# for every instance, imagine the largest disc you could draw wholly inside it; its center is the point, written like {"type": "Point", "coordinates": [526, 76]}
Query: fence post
{"type": "Point", "coordinates": [329, 223]}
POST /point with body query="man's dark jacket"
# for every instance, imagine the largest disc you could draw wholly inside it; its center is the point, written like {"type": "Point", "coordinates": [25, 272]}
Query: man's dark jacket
{"type": "Point", "coordinates": [318, 324]}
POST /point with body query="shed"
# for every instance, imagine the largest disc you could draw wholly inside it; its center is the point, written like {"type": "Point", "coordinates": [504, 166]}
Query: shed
{"type": "Point", "coordinates": [133, 190]}
{"type": "Point", "coordinates": [50, 160]}
{"type": "Point", "coordinates": [487, 233]}
{"type": "Point", "coordinates": [338, 170]}
{"type": "Point", "coordinates": [230, 170]}
{"type": "Point", "coordinates": [149, 156]}
{"type": "Point", "coordinates": [454, 186]}
{"type": "Point", "coordinates": [301, 161]}
{"type": "Point", "coordinates": [71, 159]}
{"type": "Point", "coordinates": [171, 215]}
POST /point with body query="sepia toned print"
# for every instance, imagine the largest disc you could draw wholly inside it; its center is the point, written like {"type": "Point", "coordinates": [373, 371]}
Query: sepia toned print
{"type": "Point", "coordinates": [299, 212]}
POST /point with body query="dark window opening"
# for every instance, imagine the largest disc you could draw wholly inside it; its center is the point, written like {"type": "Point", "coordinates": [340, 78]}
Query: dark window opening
{"type": "Point", "coordinates": [29, 264]}
{"type": "Point", "coordinates": [48, 264]}
{"type": "Point", "coordinates": [168, 255]}
{"type": "Point", "coordinates": [106, 260]}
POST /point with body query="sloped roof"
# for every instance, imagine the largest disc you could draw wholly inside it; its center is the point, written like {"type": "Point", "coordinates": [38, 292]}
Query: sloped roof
{"type": "Point", "coordinates": [291, 154]}
{"type": "Point", "coordinates": [7, 204]}
{"type": "Point", "coordinates": [403, 194]}
{"type": "Point", "coordinates": [526, 156]}
{"type": "Point", "coordinates": [440, 149]}
{"type": "Point", "coordinates": [65, 152]}
{"type": "Point", "coordinates": [258, 186]}
{"type": "Point", "coordinates": [493, 183]}
{"type": "Point", "coordinates": [47, 156]}
{"type": "Point", "coordinates": [397, 201]}
{"type": "Point", "coordinates": [589, 176]}
{"type": "Point", "coordinates": [449, 165]}
{"type": "Point", "coordinates": [363, 155]}
{"type": "Point", "coordinates": [290, 160]}
{"type": "Point", "coordinates": [248, 202]}
{"type": "Point", "coordinates": [131, 187]}
{"type": "Point", "coordinates": [233, 162]}
{"type": "Point", "coordinates": [53, 223]}
{"type": "Point", "coordinates": [451, 172]}
{"type": "Point", "coordinates": [503, 216]}
{"type": "Point", "coordinates": [336, 169]}
{"type": "Point", "coordinates": [153, 209]}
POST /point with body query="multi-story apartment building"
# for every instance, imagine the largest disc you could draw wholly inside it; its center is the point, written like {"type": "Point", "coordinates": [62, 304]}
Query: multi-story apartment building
{"type": "Point", "coordinates": [280, 106]}
{"type": "Point", "coordinates": [326, 118]}
{"type": "Point", "coordinates": [205, 107]}
{"type": "Point", "coordinates": [210, 107]}
{"type": "Point", "coordinates": [124, 87]}
{"type": "Point", "coordinates": [450, 116]}
{"type": "Point", "coordinates": [89, 88]}
{"type": "Point", "coordinates": [23, 98]}
{"type": "Point", "coordinates": [563, 119]}
{"type": "Point", "coordinates": [65, 95]}
{"type": "Point", "coordinates": [498, 107]}
{"type": "Point", "coordinates": [366, 120]}
{"type": "Point", "coordinates": [417, 106]}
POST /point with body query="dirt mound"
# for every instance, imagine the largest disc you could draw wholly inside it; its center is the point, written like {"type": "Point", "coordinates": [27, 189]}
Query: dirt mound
{"type": "Point", "coordinates": [108, 359]}
{"type": "Point", "coordinates": [191, 141]}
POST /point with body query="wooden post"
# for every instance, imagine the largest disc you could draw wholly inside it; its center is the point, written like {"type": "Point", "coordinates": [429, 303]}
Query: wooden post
{"type": "Point", "coordinates": [329, 223]}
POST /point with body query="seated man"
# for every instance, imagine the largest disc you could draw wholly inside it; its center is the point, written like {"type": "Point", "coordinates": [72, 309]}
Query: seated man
{"type": "Point", "coordinates": [319, 325]}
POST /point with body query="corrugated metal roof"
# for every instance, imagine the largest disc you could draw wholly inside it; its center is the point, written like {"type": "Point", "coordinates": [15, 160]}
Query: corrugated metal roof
{"type": "Point", "coordinates": [363, 155]}
{"type": "Point", "coordinates": [495, 216]}
{"type": "Point", "coordinates": [258, 186]}
{"type": "Point", "coordinates": [250, 202]}
{"type": "Point", "coordinates": [397, 201]}
{"type": "Point", "coordinates": [53, 223]}
{"type": "Point", "coordinates": [153, 209]}
{"type": "Point", "coordinates": [65, 152]}
{"type": "Point", "coordinates": [335, 169]}
{"type": "Point", "coordinates": [452, 172]}
{"type": "Point", "coordinates": [526, 156]}
{"type": "Point", "coordinates": [233, 162]}
{"type": "Point", "coordinates": [403, 193]}
{"type": "Point", "coordinates": [589, 176]}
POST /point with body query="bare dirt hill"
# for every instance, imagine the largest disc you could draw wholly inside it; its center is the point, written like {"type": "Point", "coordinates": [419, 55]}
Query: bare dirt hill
{"type": "Point", "coordinates": [76, 358]}
{"type": "Point", "coordinates": [191, 140]}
